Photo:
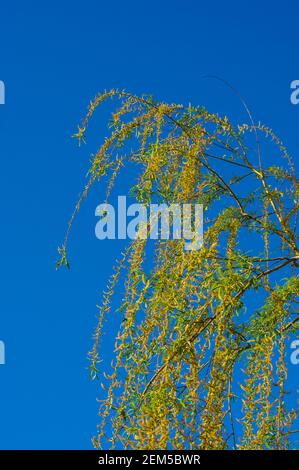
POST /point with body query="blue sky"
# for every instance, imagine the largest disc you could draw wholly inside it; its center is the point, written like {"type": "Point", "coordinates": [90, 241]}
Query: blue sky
{"type": "Point", "coordinates": [54, 57]}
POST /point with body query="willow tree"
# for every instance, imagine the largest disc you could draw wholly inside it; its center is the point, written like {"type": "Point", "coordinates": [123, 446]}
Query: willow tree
{"type": "Point", "coordinates": [200, 355]}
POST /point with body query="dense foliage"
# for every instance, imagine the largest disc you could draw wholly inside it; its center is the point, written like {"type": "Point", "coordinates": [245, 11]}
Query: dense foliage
{"type": "Point", "coordinates": [200, 356]}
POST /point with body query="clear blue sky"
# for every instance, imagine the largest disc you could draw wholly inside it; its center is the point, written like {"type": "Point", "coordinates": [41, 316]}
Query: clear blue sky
{"type": "Point", "coordinates": [54, 57]}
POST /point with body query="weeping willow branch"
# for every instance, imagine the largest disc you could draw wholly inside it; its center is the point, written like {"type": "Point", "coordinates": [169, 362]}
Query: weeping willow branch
{"type": "Point", "coordinates": [198, 332]}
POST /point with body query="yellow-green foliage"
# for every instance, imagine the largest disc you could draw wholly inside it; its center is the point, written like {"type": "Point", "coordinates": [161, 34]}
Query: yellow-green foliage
{"type": "Point", "coordinates": [188, 323]}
